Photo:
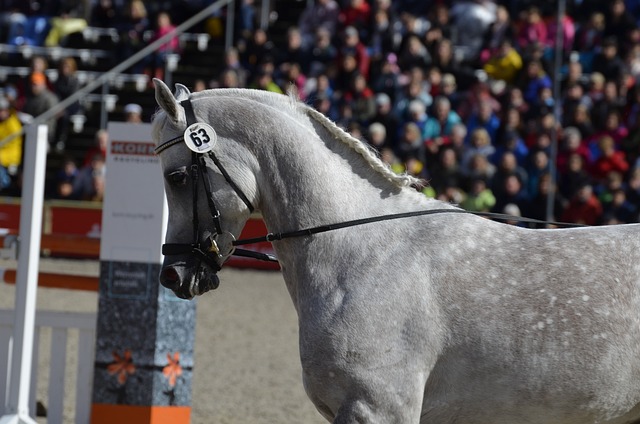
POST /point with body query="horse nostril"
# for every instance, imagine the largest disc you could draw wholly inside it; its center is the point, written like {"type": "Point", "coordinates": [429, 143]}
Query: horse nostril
{"type": "Point", "coordinates": [169, 277]}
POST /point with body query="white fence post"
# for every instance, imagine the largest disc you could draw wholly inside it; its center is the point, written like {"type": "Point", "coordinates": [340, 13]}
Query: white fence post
{"type": "Point", "coordinates": [60, 323]}
{"type": "Point", "coordinates": [27, 276]}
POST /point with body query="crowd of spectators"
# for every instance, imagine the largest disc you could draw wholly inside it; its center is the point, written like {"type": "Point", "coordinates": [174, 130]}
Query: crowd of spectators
{"type": "Point", "coordinates": [460, 93]}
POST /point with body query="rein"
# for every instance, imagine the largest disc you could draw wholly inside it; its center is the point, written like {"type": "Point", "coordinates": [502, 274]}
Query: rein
{"type": "Point", "coordinates": [208, 251]}
{"type": "Point", "coordinates": [324, 228]}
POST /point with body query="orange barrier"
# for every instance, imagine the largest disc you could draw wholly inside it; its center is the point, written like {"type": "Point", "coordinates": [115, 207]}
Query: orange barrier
{"type": "Point", "coordinates": [60, 281]}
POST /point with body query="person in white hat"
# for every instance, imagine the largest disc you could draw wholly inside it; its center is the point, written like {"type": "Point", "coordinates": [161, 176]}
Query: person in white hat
{"type": "Point", "coordinates": [133, 113]}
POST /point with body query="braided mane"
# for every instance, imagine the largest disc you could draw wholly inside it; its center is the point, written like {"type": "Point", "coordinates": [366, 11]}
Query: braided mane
{"type": "Point", "coordinates": [369, 155]}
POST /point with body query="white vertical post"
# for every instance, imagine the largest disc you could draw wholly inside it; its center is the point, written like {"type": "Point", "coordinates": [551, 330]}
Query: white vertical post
{"type": "Point", "coordinates": [35, 157]}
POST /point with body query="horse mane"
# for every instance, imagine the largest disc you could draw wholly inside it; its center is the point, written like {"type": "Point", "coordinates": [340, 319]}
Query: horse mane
{"type": "Point", "coordinates": [370, 155]}
{"type": "Point", "coordinates": [360, 147]}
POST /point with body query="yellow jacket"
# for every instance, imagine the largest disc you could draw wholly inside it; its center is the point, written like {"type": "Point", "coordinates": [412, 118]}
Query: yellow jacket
{"type": "Point", "coordinates": [11, 152]}
{"type": "Point", "coordinates": [504, 67]}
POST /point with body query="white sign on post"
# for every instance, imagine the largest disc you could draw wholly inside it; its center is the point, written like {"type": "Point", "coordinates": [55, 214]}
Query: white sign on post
{"type": "Point", "coordinates": [134, 207]}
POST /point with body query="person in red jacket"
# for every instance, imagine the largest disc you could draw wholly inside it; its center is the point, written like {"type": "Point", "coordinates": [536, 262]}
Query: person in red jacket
{"type": "Point", "coordinates": [610, 160]}
{"type": "Point", "coordinates": [584, 207]}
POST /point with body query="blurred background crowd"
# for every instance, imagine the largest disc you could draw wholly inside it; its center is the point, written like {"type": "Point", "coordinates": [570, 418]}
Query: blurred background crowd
{"type": "Point", "coordinates": [466, 94]}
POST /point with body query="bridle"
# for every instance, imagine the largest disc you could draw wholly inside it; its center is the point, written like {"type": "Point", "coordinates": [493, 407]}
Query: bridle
{"type": "Point", "coordinates": [208, 250]}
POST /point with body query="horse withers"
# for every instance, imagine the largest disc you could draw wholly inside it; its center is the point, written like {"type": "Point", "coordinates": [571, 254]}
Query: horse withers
{"type": "Point", "coordinates": [440, 318]}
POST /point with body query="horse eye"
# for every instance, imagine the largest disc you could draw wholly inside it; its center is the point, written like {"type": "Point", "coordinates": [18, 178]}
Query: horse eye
{"type": "Point", "coordinates": [178, 177]}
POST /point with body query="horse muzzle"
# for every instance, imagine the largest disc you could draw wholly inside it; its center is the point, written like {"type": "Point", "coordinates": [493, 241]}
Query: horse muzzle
{"type": "Point", "coordinates": [187, 285]}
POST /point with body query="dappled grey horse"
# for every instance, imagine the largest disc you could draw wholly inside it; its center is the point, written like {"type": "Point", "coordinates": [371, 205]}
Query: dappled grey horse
{"type": "Point", "coordinates": [436, 318]}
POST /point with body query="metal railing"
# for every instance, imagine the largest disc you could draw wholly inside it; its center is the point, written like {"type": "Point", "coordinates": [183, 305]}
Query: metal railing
{"type": "Point", "coordinates": [123, 66]}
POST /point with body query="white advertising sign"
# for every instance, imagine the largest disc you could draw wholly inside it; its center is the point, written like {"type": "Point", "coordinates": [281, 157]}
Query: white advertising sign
{"type": "Point", "coordinates": [134, 211]}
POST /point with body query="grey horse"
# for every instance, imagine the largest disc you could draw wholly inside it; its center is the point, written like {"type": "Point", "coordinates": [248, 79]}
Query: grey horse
{"type": "Point", "coordinates": [441, 319]}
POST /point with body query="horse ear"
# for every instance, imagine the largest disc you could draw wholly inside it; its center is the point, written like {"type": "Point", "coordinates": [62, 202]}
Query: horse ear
{"type": "Point", "coordinates": [182, 92]}
{"type": "Point", "coordinates": [166, 100]}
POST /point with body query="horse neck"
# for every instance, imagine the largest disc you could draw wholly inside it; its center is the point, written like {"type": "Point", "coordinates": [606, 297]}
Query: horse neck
{"type": "Point", "coordinates": [310, 178]}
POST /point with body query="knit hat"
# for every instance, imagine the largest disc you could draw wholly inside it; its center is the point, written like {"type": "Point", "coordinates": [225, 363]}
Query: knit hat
{"type": "Point", "coordinates": [38, 78]}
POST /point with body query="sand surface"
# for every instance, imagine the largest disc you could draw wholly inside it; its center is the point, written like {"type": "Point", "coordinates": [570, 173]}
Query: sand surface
{"type": "Point", "coordinates": [247, 367]}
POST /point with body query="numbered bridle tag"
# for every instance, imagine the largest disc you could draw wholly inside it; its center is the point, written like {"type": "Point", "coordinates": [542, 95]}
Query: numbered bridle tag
{"type": "Point", "coordinates": [200, 137]}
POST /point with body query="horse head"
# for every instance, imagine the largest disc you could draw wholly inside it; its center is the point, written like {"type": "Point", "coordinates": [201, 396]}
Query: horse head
{"type": "Point", "coordinates": [205, 192]}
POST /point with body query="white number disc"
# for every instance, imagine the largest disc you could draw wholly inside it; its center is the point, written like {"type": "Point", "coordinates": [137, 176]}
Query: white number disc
{"type": "Point", "coordinates": [200, 137]}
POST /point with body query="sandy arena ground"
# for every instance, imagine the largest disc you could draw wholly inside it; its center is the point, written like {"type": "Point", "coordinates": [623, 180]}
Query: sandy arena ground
{"type": "Point", "coordinates": [247, 368]}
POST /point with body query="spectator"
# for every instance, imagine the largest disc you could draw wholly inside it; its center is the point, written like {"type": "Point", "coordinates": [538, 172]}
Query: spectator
{"type": "Point", "coordinates": [382, 38]}
{"type": "Point", "coordinates": [589, 37]}
{"type": "Point", "coordinates": [40, 101]}
{"type": "Point", "coordinates": [415, 90]}
{"type": "Point", "coordinates": [352, 45]}
{"type": "Point", "coordinates": [479, 143]}
{"type": "Point", "coordinates": [62, 27]}
{"type": "Point", "coordinates": [511, 192]}
{"type": "Point", "coordinates": [618, 21]}
{"type": "Point", "coordinates": [357, 14]}
{"type": "Point", "coordinates": [318, 14]}
{"type": "Point", "coordinates": [171, 46]}
{"type": "Point", "coordinates": [64, 181]}
{"type": "Point", "coordinates": [377, 137]}
{"type": "Point", "coordinates": [101, 140]}
{"type": "Point", "coordinates": [232, 63]}
{"type": "Point", "coordinates": [609, 160]}
{"type": "Point", "coordinates": [446, 171]}
{"type": "Point", "coordinates": [385, 116]}
{"type": "Point", "coordinates": [37, 65]}
{"type": "Point", "coordinates": [131, 31]}
{"type": "Point", "coordinates": [619, 210]}
{"type": "Point", "coordinates": [537, 207]}
{"type": "Point", "coordinates": [259, 50]}
{"type": "Point", "coordinates": [610, 103]}
{"type": "Point", "coordinates": [11, 151]}
{"type": "Point", "coordinates": [387, 80]}
{"type": "Point", "coordinates": [538, 166]}
{"type": "Point", "coordinates": [414, 54]}
{"type": "Point", "coordinates": [471, 20]}
{"type": "Point", "coordinates": [533, 29]}
{"type": "Point", "coordinates": [535, 79]}
{"type": "Point", "coordinates": [89, 182]}
{"type": "Point", "coordinates": [442, 122]}
{"type": "Point", "coordinates": [133, 113]}
{"type": "Point", "coordinates": [66, 85]}
{"type": "Point", "coordinates": [568, 28]}
{"type": "Point", "coordinates": [608, 62]}
{"type": "Point", "coordinates": [505, 63]}
{"type": "Point", "coordinates": [321, 54]}
{"type": "Point", "coordinates": [507, 165]}
{"type": "Point", "coordinates": [104, 14]}
{"type": "Point", "coordinates": [293, 53]}
{"type": "Point", "coordinates": [440, 28]}
{"type": "Point", "coordinates": [570, 144]}
{"type": "Point", "coordinates": [411, 145]}
{"type": "Point", "coordinates": [584, 208]}
{"type": "Point", "coordinates": [486, 119]}
{"type": "Point", "coordinates": [479, 167]}
{"type": "Point", "coordinates": [362, 100]}
{"type": "Point", "coordinates": [293, 77]}
{"type": "Point", "coordinates": [499, 31]}
{"type": "Point", "coordinates": [264, 81]}
{"type": "Point", "coordinates": [514, 144]}
{"type": "Point", "coordinates": [480, 198]}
